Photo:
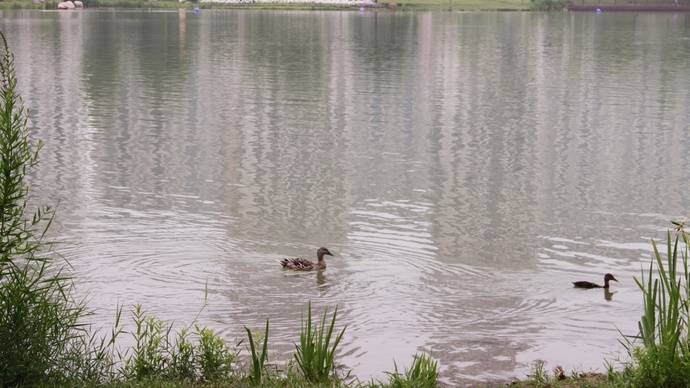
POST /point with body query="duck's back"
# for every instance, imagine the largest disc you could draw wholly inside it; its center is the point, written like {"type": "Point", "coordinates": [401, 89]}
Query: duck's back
{"type": "Point", "coordinates": [586, 285]}
{"type": "Point", "coordinates": [297, 264]}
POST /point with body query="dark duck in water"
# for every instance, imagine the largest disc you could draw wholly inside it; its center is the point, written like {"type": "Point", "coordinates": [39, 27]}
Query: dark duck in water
{"type": "Point", "coordinates": [608, 277]}
{"type": "Point", "coordinates": [300, 264]}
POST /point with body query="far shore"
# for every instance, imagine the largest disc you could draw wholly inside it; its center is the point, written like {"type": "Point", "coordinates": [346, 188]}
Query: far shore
{"type": "Point", "coordinates": [661, 7]}
{"type": "Point", "coordinates": [401, 5]}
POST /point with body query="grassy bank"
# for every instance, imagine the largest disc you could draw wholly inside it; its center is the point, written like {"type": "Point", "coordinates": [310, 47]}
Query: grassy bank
{"type": "Point", "coordinates": [558, 378]}
{"type": "Point", "coordinates": [52, 4]}
{"type": "Point", "coordinates": [466, 5]}
{"type": "Point", "coordinates": [24, 4]}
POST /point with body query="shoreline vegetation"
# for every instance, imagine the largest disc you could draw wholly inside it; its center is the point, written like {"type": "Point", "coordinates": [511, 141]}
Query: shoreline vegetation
{"type": "Point", "coordinates": [46, 339]}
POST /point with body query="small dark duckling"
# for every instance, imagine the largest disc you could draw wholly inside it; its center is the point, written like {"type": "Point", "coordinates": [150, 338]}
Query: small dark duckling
{"type": "Point", "coordinates": [301, 264]}
{"type": "Point", "coordinates": [607, 278]}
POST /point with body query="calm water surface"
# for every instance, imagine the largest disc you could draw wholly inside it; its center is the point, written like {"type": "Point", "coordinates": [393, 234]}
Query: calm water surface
{"type": "Point", "coordinates": [464, 167]}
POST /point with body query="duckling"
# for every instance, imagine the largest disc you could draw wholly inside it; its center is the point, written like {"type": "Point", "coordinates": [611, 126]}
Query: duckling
{"type": "Point", "coordinates": [607, 278]}
{"type": "Point", "coordinates": [300, 264]}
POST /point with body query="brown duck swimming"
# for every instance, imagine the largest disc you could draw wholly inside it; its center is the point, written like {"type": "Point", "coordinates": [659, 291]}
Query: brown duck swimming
{"type": "Point", "coordinates": [607, 278]}
{"type": "Point", "coordinates": [300, 264]}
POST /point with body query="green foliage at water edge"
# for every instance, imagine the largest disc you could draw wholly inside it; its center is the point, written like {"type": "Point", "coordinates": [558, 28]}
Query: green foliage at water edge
{"type": "Point", "coordinates": [661, 351]}
{"type": "Point", "coordinates": [258, 360]}
{"type": "Point", "coordinates": [423, 373]}
{"type": "Point", "coordinates": [315, 354]}
{"type": "Point", "coordinates": [547, 5]}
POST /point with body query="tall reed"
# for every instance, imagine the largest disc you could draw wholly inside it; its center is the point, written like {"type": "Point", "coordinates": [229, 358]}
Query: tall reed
{"type": "Point", "coordinates": [315, 355]}
{"type": "Point", "coordinates": [258, 360]}
{"type": "Point", "coordinates": [38, 317]}
{"type": "Point", "coordinates": [663, 360]}
{"type": "Point", "coordinates": [150, 346]}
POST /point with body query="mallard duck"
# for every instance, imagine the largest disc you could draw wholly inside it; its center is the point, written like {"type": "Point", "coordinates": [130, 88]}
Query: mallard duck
{"type": "Point", "coordinates": [300, 264]}
{"type": "Point", "coordinates": [607, 278]}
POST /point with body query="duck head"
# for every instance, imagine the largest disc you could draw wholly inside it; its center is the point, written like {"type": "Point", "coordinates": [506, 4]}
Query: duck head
{"type": "Point", "coordinates": [322, 252]}
{"type": "Point", "coordinates": [608, 277]}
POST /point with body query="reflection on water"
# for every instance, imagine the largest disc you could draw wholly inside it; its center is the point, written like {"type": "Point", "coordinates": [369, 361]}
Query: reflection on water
{"type": "Point", "coordinates": [322, 280]}
{"type": "Point", "coordinates": [465, 168]}
{"type": "Point", "coordinates": [608, 295]}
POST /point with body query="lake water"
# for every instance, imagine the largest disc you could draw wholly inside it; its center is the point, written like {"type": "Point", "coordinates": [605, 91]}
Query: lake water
{"type": "Point", "coordinates": [463, 167]}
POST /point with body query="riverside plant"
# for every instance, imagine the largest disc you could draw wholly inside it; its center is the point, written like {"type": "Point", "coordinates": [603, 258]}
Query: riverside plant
{"type": "Point", "coordinates": [150, 337]}
{"type": "Point", "coordinates": [201, 357]}
{"type": "Point", "coordinates": [215, 357]}
{"type": "Point", "coordinates": [258, 360]}
{"type": "Point", "coordinates": [663, 360]}
{"type": "Point", "coordinates": [155, 355]}
{"type": "Point", "coordinates": [315, 355]}
{"type": "Point", "coordinates": [423, 373]}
